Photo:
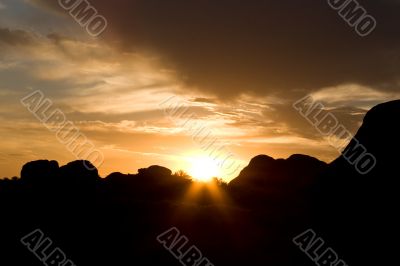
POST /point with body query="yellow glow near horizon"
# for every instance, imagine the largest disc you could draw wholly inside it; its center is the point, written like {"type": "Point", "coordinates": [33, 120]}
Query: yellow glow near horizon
{"type": "Point", "coordinates": [203, 169]}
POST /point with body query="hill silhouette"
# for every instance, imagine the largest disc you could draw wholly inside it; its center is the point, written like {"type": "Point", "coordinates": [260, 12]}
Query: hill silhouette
{"type": "Point", "coordinates": [250, 221]}
{"type": "Point", "coordinates": [264, 171]}
{"type": "Point", "coordinates": [356, 211]}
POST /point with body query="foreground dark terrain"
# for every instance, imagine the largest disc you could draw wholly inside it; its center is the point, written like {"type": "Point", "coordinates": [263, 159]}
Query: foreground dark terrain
{"type": "Point", "coordinates": [250, 221]}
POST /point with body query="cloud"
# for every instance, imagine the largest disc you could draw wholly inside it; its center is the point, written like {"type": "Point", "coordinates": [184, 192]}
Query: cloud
{"type": "Point", "coordinates": [240, 67]}
{"type": "Point", "coordinates": [15, 37]}
{"type": "Point", "coordinates": [88, 76]}
{"type": "Point", "coordinates": [262, 47]}
{"type": "Point", "coordinates": [353, 95]}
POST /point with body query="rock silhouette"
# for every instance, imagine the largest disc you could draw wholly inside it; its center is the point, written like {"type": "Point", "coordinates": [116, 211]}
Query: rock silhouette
{"type": "Point", "coordinates": [39, 171]}
{"type": "Point", "coordinates": [356, 211]}
{"type": "Point", "coordinates": [264, 171]}
{"type": "Point", "coordinates": [250, 221]}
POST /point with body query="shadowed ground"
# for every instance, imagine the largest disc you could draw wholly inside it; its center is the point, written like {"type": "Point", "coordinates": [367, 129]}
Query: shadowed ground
{"type": "Point", "coordinates": [250, 221]}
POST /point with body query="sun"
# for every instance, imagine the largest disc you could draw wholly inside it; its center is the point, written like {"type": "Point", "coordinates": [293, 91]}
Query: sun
{"type": "Point", "coordinates": [203, 169]}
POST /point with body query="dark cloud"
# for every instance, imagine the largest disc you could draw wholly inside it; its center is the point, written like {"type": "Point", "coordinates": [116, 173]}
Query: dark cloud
{"type": "Point", "coordinates": [232, 46]}
{"type": "Point", "coordinates": [204, 100]}
{"type": "Point", "coordinates": [349, 117]}
{"type": "Point", "coordinates": [15, 37]}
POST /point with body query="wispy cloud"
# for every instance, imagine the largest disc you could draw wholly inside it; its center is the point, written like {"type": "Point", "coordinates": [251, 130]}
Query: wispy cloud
{"type": "Point", "coordinates": [353, 95]}
{"type": "Point", "coordinates": [240, 84]}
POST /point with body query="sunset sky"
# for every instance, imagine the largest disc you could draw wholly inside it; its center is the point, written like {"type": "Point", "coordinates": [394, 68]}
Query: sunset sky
{"type": "Point", "coordinates": [238, 65]}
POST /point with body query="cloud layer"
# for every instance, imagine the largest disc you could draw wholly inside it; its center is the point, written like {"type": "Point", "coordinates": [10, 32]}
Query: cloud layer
{"type": "Point", "coordinates": [239, 64]}
{"type": "Point", "coordinates": [263, 47]}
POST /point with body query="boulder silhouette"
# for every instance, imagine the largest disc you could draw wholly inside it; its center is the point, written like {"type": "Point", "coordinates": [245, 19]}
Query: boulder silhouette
{"type": "Point", "coordinates": [79, 172]}
{"type": "Point", "coordinates": [355, 210]}
{"type": "Point", "coordinates": [251, 221]}
{"type": "Point", "coordinates": [155, 171]}
{"type": "Point", "coordinates": [265, 171]}
{"type": "Point", "coordinates": [41, 171]}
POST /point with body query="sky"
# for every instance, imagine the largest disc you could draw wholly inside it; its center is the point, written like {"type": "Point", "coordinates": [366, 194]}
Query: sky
{"type": "Point", "coordinates": [237, 67]}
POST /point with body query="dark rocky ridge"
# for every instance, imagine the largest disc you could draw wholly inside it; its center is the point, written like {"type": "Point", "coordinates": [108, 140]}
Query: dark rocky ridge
{"type": "Point", "coordinates": [114, 221]}
{"type": "Point", "coordinates": [356, 211]}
